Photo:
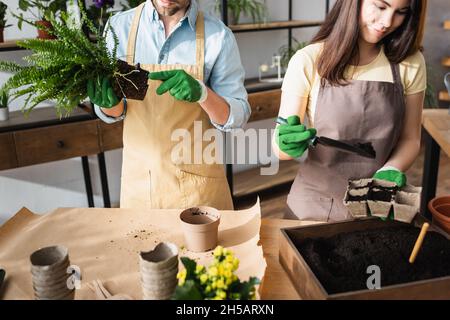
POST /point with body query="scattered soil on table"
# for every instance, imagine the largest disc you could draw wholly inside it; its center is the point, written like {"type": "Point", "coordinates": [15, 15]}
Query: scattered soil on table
{"type": "Point", "coordinates": [340, 262]}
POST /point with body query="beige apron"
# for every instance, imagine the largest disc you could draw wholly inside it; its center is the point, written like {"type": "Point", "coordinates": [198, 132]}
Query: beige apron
{"type": "Point", "coordinates": [368, 110]}
{"type": "Point", "coordinates": [151, 176]}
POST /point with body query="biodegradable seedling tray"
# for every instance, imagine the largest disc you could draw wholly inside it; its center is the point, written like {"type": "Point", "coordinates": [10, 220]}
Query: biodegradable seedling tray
{"type": "Point", "coordinates": [310, 282]}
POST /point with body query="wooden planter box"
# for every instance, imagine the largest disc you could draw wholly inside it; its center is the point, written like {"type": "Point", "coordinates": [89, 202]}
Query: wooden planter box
{"type": "Point", "coordinates": [309, 287]}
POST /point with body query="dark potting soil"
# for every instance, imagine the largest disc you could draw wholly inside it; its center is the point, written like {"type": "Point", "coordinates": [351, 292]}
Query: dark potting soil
{"type": "Point", "coordinates": [377, 194]}
{"type": "Point", "coordinates": [133, 83]}
{"type": "Point", "coordinates": [340, 262]}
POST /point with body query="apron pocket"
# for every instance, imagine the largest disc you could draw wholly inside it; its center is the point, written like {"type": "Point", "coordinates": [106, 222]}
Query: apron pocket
{"type": "Point", "coordinates": [198, 190]}
{"type": "Point", "coordinates": [313, 208]}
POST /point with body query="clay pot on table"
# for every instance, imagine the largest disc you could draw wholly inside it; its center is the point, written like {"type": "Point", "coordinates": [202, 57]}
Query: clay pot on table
{"type": "Point", "coordinates": [440, 210]}
{"type": "Point", "coordinates": [49, 274]}
{"type": "Point", "coordinates": [200, 227]}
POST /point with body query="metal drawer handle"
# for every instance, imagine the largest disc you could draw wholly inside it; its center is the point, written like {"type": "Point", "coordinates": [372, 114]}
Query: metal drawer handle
{"type": "Point", "coordinates": [258, 108]}
{"type": "Point", "coordinates": [60, 144]}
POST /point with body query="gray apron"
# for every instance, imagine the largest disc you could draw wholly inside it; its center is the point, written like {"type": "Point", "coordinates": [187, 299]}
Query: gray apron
{"type": "Point", "coordinates": [365, 110]}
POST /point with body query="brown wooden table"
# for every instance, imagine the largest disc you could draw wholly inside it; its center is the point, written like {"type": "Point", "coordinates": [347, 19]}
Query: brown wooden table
{"type": "Point", "coordinates": [436, 123]}
{"type": "Point", "coordinates": [43, 137]}
{"type": "Point", "coordinates": [276, 284]}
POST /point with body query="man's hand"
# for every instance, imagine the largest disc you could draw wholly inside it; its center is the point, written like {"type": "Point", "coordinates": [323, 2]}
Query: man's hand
{"type": "Point", "coordinates": [101, 93]}
{"type": "Point", "coordinates": [180, 85]}
{"type": "Point", "coordinates": [293, 138]}
{"type": "Point", "coordinates": [392, 175]}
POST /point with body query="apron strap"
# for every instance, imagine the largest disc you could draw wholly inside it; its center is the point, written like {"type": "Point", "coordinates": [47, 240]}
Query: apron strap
{"type": "Point", "coordinates": [200, 44]}
{"type": "Point", "coordinates": [133, 34]}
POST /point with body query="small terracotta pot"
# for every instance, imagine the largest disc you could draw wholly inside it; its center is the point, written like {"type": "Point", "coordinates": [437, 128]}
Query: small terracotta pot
{"type": "Point", "coordinates": [43, 34]}
{"type": "Point", "coordinates": [200, 227]}
{"type": "Point", "coordinates": [440, 209]}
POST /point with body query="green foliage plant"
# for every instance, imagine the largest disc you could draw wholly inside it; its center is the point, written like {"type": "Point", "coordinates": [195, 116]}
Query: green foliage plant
{"type": "Point", "coordinates": [215, 282]}
{"type": "Point", "coordinates": [45, 9]}
{"type": "Point", "coordinates": [4, 98]}
{"type": "Point", "coordinates": [3, 8]}
{"type": "Point", "coordinates": [286, 52]}
{"type": "Point", "coordinates": [250, 8]}
{"type": "Point", "coordinates": [59, 69]}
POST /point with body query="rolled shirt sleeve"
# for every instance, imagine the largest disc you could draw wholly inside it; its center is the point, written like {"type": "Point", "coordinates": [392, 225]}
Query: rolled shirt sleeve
{"type": "Point", "coordinates": [227, 80]}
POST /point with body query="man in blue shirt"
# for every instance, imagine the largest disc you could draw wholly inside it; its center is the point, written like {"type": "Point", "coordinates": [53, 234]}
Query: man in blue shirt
{"type": "Point", "coordinates": [195, 76]}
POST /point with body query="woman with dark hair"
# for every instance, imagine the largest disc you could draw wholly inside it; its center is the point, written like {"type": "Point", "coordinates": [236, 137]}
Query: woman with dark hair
{"type": "Point", "coordinates": [363, 78]}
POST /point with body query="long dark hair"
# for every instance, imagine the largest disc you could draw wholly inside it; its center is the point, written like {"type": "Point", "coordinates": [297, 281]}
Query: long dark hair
{"type": "Point", "coordinates": [340, 33]}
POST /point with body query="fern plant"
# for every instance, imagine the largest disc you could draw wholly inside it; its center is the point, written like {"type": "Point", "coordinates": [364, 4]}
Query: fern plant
{"type": "Point", "coordinates": [59, 69]}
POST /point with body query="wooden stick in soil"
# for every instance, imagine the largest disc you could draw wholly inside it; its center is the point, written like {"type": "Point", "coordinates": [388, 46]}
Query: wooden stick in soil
{"type": "Point", "coordinates": [419, 242]}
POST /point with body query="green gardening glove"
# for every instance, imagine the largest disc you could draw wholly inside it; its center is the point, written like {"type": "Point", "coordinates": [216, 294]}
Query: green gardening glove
{"type": "Point", "coordinates": [180, 85]}
{"type": "Point", "coordinates": [391, 175]}
{"type": "Point", "coordinates": [101, 93]}
{"type": "Point", "coordinates": [293, 138]}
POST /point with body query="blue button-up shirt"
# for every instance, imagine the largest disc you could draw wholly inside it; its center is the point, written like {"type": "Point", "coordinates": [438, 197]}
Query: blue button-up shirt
{"type": "Point", "coordinates": [223, 71]}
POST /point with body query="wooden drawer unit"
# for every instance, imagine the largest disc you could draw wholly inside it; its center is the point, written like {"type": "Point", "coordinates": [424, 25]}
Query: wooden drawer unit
{"type": "Point", "coordinates": [56, 142]}
{"type": "Point", "coordinates": [8, 157]}
{"type": "Point", "coordinates": [265, 105]}
{"type": "Point", "coordinates": [110, 135]}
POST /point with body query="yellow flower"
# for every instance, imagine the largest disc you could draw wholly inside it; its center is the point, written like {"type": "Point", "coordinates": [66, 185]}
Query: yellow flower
{"type": "Point", "coordinates": [227, 252]}
{"type": "Point", "coordinates": [213, 271]}
{"type": "Point", "coordinates": [220, 270]}
{"type": "Point", "coordinates": [203, 278]}
{"type": "Point", "coordinates": [208, 289]}
{"type": "Point", "coordinates": [218, 251]}
{"type": "Point", "coordinates": [220, 284]}
{"type": "Point", "coordinates": [199, 268]}
{"type": "Point", "coordinates": [229, 266]}
{"type": "Point", "coordinates": [229, 259]}
{"type": "Point", "coordinates": [235, 263]}
{"type": "Point", "coordinates": [228, 274]}
{"type": "Point", "coordinates": [222, 294]}
{"type": "Point", "coordinates": [182, 274]}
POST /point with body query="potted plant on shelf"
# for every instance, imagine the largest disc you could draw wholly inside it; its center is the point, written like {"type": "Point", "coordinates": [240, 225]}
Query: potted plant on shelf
{"type": "Point", "coordinates": [59, 69]}
{"type": "Point", "coordinates": [3, 24]}
{"type": "Point", "coordinates": [255, 9]}
{"type": "Point", "coordinates": [45, 8]}
{"type": "Point", "coordinates": [286, 52]}
{"type": "Point", "coordinates": [4, 104]}
{"type": "Point", "coordinates": [97, 13]}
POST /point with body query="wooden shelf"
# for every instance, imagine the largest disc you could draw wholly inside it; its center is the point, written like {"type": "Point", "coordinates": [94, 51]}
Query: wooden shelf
{"type": "Point", "coordinates": [11, 45]}
{"type": "Point", "coordinates": [446, 62]}
{"type": "Point", "coordinates": [251, 181]}
{"type": "Point", "coordinates": [447, 25]}
{"type": "Point", "coordinates": [274, 25]}
{"type": "Point", "coordinates": [444, 96]}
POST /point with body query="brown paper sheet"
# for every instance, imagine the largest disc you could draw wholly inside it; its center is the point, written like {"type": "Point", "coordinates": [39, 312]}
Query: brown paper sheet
{"type": "Point", "coordinates": [105, 244]}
